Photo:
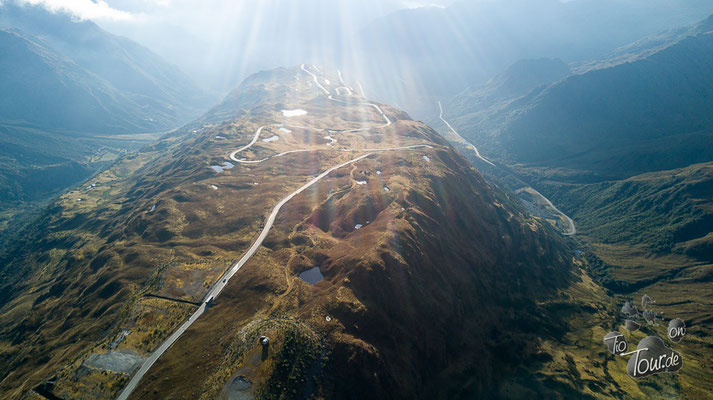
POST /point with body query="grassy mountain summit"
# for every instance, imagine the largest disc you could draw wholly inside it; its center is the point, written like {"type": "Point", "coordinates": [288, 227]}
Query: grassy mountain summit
{"type": "Point", "coordinates": [424, 264]}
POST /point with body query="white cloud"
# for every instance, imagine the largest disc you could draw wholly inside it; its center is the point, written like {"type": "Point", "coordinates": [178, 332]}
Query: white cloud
{"type": "Point", "coordinates": [84, 9]}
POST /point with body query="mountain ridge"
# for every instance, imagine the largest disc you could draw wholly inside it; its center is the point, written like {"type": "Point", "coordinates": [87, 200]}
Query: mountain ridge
{"type": "Point", "coordinates": [539, 128]}
{"type": "Point", "coordinates": [166, 222]}
{"type": "Point", "coordinates": [74, 99]}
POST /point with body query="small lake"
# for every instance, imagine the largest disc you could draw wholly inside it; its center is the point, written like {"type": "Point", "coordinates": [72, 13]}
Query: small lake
{"type": "Point", "coordinates": [312, 275]}
{"type": "Point", "coordinates": [221, 168]}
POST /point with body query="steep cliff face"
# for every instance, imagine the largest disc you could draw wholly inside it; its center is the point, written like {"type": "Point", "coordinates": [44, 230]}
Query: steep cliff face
{"type": "Point", "coordinates": [434, 282]}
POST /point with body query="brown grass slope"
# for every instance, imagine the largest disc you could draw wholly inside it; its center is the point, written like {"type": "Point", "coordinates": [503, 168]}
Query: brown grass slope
{"type": "Point", "coordinates": [449, 297]}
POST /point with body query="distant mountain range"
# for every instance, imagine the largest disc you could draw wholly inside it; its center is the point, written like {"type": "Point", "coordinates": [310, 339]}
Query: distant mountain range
{"type": "Point", "coordinates": [477, 102]}
{"type": "Point", "coordinates": [73, 97]}
{"type": "Point", "coordinates": [649, 114]}
{"type": "Point", "coordinates": [430, 53]}
{"type": "Point", "coordinates": [46, 90]}
{"type": "Point", "coordinates": [139, 91]}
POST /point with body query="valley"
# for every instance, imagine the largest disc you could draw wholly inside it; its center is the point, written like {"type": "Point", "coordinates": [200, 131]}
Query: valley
{"type": "Point", "coordinates": [634, 178]}
{"type": "Point", "coordinates": [77, 99]}
{"type": "Point", "coordinates": [255, 230]}
{"type": "Point", "coordinates": [534, 201]}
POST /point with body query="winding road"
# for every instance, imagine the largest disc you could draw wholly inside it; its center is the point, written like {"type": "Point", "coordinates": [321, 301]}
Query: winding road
{"type": "Point", "coordinates": [477, 153]}
{"type": "Point", "coordinates": [223, 281]}
{"type": "Point", "coordinates": [572, 228]}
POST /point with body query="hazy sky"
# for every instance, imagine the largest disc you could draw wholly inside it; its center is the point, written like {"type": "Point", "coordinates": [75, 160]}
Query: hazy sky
{"type": "Point", "coordinates": [180, 11]}
{"type": "Point", "coordinates": [200, 35]}
{"type": "Point", "coordinates": [219, 42]}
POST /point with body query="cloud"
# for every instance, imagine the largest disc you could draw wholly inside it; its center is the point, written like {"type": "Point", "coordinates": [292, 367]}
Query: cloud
{"type": "Point", "coordinates": [632, 326]}
{"type": "Point", "coordinates": [83, 9]}
{"type": "Point", "coordinates": [653, 357]}
{"type": "Point", "coordinates": [627, 309]}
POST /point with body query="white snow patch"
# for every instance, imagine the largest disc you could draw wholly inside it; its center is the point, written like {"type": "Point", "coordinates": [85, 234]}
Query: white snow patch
{"type": "Point", "coordinates": [378, 172]}
{"type": "Point", "coordinates": [219, 137]}
{"type": "Point", "coordinates": [326, 82]}
{"type": "Point", "coordinates": [214, 187]}
{"type": "Point", "coordinates": [426, 158]}
{"type": "Point", "coordinates": [358, 226]}
{"type": "Point", "coordinates": [255, 183]}
{"type": "Point", "coordinates": [343, 90]}
{"type": "Point", "coordinates": [386, 189]}
{"type": "Point", "coordinates": [285, 130]}
{"type": "Point", "coordinates": [152, 208]}
{"type": "Point", "coordinates": [271, 139]}
{"type": "Point", "coordinates": [360, 182]}
{"type": "Point", "coordinates": [294, 113]}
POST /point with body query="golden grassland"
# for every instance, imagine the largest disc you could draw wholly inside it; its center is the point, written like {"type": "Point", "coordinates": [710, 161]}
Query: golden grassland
{"type": "Point", "coordinates": [119, 247]}
{"type": "Point", "coordinates": [442, 261]}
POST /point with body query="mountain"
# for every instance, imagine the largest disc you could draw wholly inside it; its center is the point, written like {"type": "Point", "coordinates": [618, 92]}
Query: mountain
{"type": "Point", "coordinates": [162, 93]}
{"type": "Point", "coordinates": [666, 211]}
{"type": "Point", "coordinates": [647, 46]}
{"type": "Point", "coordinates": [516, 81]}
{"type": "Point", "coordinates": [646, 115]}
{"type": "Point", "coordinates": [48, 91]}
{"type": "Point", "coordinates": [432, 53]}
{"type": "Point", "coordinates": [73, 99]}
{"type": "Point", "coordinates": [622, 146]}
{"type": "Point", "coordinates": [429, 281]}
{"type": "Point", "coordinates": [652, 234]}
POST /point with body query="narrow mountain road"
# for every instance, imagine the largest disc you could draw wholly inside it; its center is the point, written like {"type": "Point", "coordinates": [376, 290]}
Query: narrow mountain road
{"type": "Point", "coordinates": [329, 95]}
{"type": "Point", "coordinates": [233, 155]}
{"type": "Point", "coordinates": [477, 153]}
{"type": "Point", "coordinates": [225, 279]}
{"type": "Point", "coordinates": [572, 228]}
